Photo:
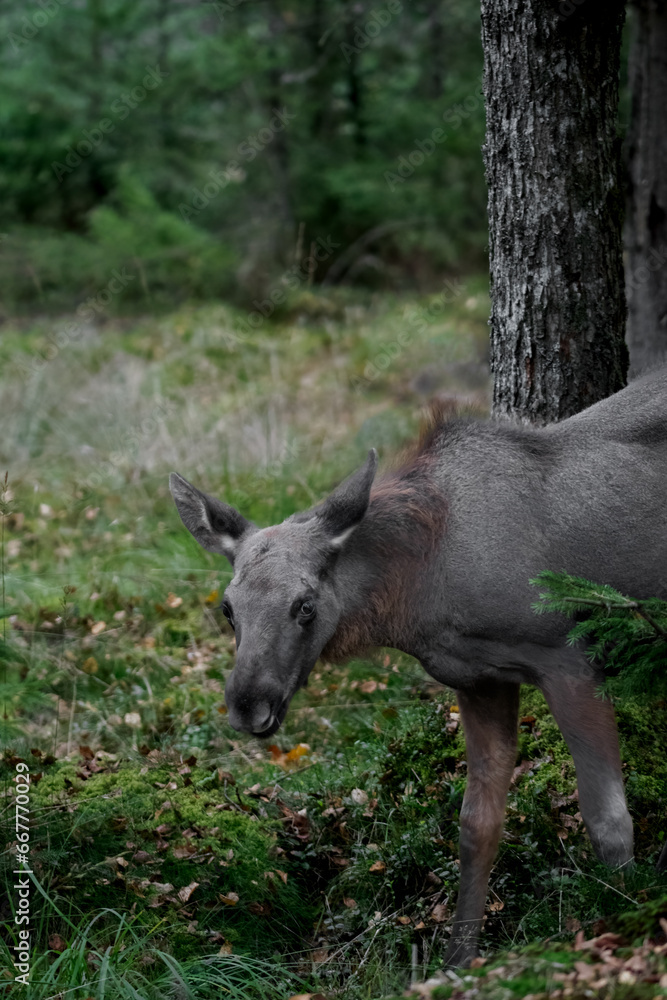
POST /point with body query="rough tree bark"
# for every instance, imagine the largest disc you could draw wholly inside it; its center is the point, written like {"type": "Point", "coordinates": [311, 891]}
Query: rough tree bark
{"type": "Point", "coordinates": [646, 213]}
{"type": "Point", "coordinates": [552, 157]}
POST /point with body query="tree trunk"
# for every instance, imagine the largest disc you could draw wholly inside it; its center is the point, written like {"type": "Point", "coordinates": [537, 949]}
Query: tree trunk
{"type": "Point", "coordinates": [646, 219]}
{"type": "Point", "coordinates": [552, 157]}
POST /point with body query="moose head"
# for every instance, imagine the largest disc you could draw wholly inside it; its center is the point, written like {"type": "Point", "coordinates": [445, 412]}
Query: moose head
{"type": "Point", "coordinates": [283, 601]}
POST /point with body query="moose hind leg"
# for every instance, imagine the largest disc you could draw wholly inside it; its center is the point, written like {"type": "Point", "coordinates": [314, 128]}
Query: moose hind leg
{"type": "Point", "coordinates": [490, 722]}
{"type": "Point", "coordinates": [588, 725]}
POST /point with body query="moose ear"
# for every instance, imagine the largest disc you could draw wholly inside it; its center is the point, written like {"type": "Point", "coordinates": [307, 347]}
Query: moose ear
{"type": "Point", "coordinates": [216, 526]}
{"type": "Point", "coordinates": [343, 509]}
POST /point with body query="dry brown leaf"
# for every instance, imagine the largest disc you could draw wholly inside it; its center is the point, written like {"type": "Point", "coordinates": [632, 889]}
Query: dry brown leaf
{"type": "Point", "coordinates": [184, 852]}
{"type": "Point", "coordinates": [187, 890]}
{"type": "Point", "coordinates": [350, 903]}
{"type": "Point", "coordinates": [97, 628]}
{"type": "Point", "coordinates": [173, 601]}
{"type": "Point", "coordinates": [230, 899]}
{"type": "Point", "coordinates": [368, 687]}
{"type": "Point", "coordinates": [585, 971]}
{"type": "Point", "coordinates": [378, 866]}
{"type": "Point", "coordinates": [439, 913]}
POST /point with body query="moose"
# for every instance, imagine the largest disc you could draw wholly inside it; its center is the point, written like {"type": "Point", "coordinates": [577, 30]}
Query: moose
{"type": "Point", "coordinates": [435, 558]}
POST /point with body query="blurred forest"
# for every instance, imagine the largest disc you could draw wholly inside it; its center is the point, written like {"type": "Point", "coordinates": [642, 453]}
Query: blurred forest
{"type": "Point", "coordinates": [208, 147]}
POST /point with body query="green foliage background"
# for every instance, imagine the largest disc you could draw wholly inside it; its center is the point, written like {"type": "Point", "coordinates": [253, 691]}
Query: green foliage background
{"type": "Point", "coordinates": [97, 170]}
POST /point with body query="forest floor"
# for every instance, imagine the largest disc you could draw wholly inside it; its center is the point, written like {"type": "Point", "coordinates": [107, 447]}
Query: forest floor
{"type": "Point", "coordinates": [175, 858]}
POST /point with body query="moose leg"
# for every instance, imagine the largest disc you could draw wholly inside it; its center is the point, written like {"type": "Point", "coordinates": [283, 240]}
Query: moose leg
{"type": "Point", "coordinates": [490, 725]}
{"type": "Point", "coordinates": [588, 725]}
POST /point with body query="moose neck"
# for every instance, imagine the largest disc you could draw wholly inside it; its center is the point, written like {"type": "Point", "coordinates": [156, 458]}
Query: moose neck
{"type": "Point", "coordinates": [385, 566]}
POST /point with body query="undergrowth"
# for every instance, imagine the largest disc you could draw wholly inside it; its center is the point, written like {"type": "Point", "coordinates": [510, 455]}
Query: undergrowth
{"type": "Point", "coordinates": [171, 856]}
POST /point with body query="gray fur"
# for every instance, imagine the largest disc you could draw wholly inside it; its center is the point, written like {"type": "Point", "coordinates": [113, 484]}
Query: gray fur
{"type": "Point", "coordinates": [435, 560]}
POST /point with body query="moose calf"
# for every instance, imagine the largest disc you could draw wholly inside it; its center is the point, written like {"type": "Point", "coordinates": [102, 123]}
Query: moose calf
{"type": "Point", "coordinates": [435, 559]}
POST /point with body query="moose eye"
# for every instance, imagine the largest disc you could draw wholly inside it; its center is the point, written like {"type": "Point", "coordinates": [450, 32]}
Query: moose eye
{"type": "Point", "coordinates": [227, 612]}
{"type": "Point", "coordinates": [307, 610]}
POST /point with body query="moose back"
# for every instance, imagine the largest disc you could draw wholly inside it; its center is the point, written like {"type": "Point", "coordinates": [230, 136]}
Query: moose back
{"type": "Point", "coordinates": [434, 559]}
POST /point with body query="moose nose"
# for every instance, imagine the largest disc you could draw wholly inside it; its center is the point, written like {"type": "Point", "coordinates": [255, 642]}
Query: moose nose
{"type": "Point", "coordinates": [256, 719]}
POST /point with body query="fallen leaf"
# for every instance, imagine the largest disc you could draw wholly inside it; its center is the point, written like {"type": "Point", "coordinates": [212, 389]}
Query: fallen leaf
{"type": "Point", "coordinates": [187, 890]}
{"type": "Point", "coordinates": [378, 866]}
{"type": "Point", "coordinates": [97, 628]}
{"type": "Point", "coordinates": [359, 796]}
{"type": "Point", "coordinates": [368, 687]}
{"type": "Point", "coordinates": [585, 971]}
{"type": "Point", "coordinates": [231, 899]}
{"type": "Point", "coordinates": [184, 852]}
{"type": "Point", "coordinates": [173, 601]}
{"type": "Point", "coordinates": [132, 719]}
{"type": "Point", "coordinates": [350, 903]}
{"type": "Point", "coordinates": [440, 913]}
{"type": "Point", "coordinates": [259, 909]}
{"type": "Point", "coordinates": [141, 857]}
{"type": "Point", "coordinates": [404, 920]}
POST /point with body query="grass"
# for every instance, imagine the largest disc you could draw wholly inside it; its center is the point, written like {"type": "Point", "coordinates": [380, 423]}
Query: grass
{"type": "Point", "coordinates": [171, 856]}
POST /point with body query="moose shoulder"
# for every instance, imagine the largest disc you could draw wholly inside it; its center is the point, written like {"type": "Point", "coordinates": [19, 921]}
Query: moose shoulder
{"type": "Point", "coordinates": [435, 559]}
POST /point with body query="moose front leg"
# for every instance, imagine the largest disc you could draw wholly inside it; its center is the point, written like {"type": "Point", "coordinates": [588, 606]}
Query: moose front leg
{"type": "Point", "coordinates": [490, 722]}
{"type": "Point", "coordinates": [588, 725]}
